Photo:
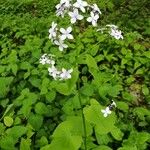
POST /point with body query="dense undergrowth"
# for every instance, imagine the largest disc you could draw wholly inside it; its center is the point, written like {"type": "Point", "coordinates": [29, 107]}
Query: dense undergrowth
{"type": "Point", "coordinates": [38, 112]}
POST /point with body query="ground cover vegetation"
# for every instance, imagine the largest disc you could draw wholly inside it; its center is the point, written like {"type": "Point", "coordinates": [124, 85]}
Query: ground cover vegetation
{"type": "Point", "coordinates": [91, 92]}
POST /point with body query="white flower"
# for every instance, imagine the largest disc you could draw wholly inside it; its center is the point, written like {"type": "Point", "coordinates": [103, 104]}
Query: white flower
{"type": "Point", "coordinates": [93, 18]}
{"type": "Point", "coordinates": [46, 60]}
{"type": "Point", "coordinates": [62, 7]}
{"type": "Point", "coordinates": [66, 74]}
{"type": "Point", "coordinates": [96, 9]}
{"type": "Point", "coordinates": [61, 44]}
{"type": "Point", "coordinates": [53, 72]}
{"type": "Point", "coordinates": [80, 4]}
{"type": "Point", "coordinates": [52, 30]}
{"type": "Point", "coordinates": [66, 33]}
{"type": "Point", "coordinates": [75, 16]}
{"type": "Point", "coordinates": [106, 111]}
{"type": "Point", "coordinates": [116, 34]}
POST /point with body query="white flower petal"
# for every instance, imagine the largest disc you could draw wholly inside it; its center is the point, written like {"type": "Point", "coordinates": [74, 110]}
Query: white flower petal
{"type": "Point", "coordinates": [65, 45]}
{"type": "Point", "coordinates": [80, 17]}
{"type": "Point", "coordinates": [61, 48]}
{"type": "Point", "coordinates": [84, 3]}
{"type": "Point", "coordinates": [70, 14]}
{"type": "Point", "coordinates": [70, 36]}
{"type": "Point", "coordinates": [69, 29]}
{"type": "Point", "coordinates": [62, 30]}
{"type": "Point", "coordinates": [82, 9]}
{"type": "Point", "coordinates": [63, 37]}
{"type": "Point", "coordinates": [73, 20]}
{"type": "Point", "coordinates": [105, 115]}
{"type": "Point", "coordinates": [89, 19]}
{"type": "Point", "coordinates": [94, 23]}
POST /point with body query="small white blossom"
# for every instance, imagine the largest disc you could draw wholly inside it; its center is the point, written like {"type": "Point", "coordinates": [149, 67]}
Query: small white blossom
{"type": "Point", "coordinates": [52, 31]}
{"type": "Point", "coordinates": [53, 72]}
{"type": "Point", "coordinates": [62, 7]}
{"type": "Point", "coordinates": [75, 16]}
{"type": "Point", "coordinates": [66, 33]}
{"type": "Point", "coordinates": [106, 111]}
{"type": "Point", "coordinates": [93, 18]}
{"type": "Point", "coordinates": [61, 44]}
{"type": "Point", "coordinates": [46, 60]}
{"type": "Point", "coordinates": [96, 9]}
{"type": "Point", "coordinates": [66, 74]}
{"type": "Point", "coordinates": [116, 34]}
{"type": "Point", "coordinates": [81, 5]}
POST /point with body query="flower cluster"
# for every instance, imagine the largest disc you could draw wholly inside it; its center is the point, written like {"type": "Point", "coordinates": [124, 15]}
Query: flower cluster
{"type": "Point", "coordinates": [58, 36]}
{"type": "Point", "coordinates": [107, 111]}
{"type": "Point", "coordinates": [76, 11]}
{"type": "Point", "coordinates": [47, 59]}
{"type": "Point", "coordinates": [60, 75]}
{"type": "Point", "coordinates": [53, 71]}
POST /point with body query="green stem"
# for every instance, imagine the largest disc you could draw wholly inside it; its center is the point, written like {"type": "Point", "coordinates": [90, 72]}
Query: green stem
{"type": "Point", "coordinates": [83, 118]}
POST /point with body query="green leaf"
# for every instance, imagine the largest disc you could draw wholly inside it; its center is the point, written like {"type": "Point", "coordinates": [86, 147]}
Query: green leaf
{"type": "Point", "coordinates": [63, 88]}
{"type": "Point", "coordinates": [27, 102]}
{"type": "Point", "coordinates": [16, 131]}
{"type": "Point", "coordinates": [115, 90]}
{"type": "Point", "coordinates": [93, 115]}
{"type": "Point", "coordinates": [147, 54]}
{"type": "Point", "coordinates": [14, 68]}
{"type": "Point", "coordinates": [50, 96]}
{"type": "Point", "coordinates": [87, 90]}
{"type": "Point", "coordinates": [117, 134]}
{"type": "Point", "coordinates": [90, 61]}
{"type": "Point", "coordinates": [102, 147]}
{"type": "Point", "coordinates": [145, 90]}
{"type": "Point", "coordinates": [35, 82]}
{"type": "Point", "coordinates": [36, 121]}
{"type": "Point", "coordinates": [42, 141]}
{"type": "Point", "coordinates": [25, 65]}
{"type": "Point", "coordinates": [66, 136]}
{"type": "Point", "coordinates": [4, 85]}
{"type": "Point", "coordinates": [25, 144]}
{"type": "Point", "coordinates": [45, 85]}
{"type": "Point", "coordinates": [7, 143]}
{"type": "Point", "coordinates": [8, 121]}
{"type": "Point", "coordinates": [40, 108]}
{"type": "Point", "coordinates": [123, 106]}
{"type": "Point", "coordinates": [8, 109]}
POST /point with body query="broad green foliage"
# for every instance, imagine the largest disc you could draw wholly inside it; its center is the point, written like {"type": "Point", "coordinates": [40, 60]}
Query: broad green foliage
{"type": "Point", "coordinates": [38, 112]}
{"type": "Point", "coordinates": [93, 115]}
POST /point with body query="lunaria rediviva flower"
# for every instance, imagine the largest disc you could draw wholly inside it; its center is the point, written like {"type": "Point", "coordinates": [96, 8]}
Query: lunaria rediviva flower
{"type": "Point", "coordinates": [75, 16]}
{"type": "Point", "coordinates": [116, 34]}
{"type": "Point", "coordinates": [106, 111]}
{"type": "Point", "coordinates": [66, 33]}
{"type": "Point", "coordinates": [81, 5]}
{"type": "Point", "coordinates": [45, 59]}
{"type": "Point", "coordinates": [52, 31]}
{"type": "Point", "coordinates": [53, 72]}
{"type": "Point", "coordinates": [61, 44]}
{"type": "Point", "coordinates": [62, 7]}
{"type": "Point", "coordinates": [96, 10]}
{"type": "Point", "coordinates": [65, 74]}
{"type": "Point", "coordinates": [93, 18]}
